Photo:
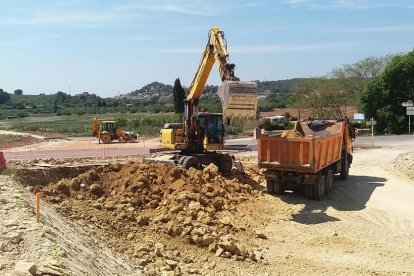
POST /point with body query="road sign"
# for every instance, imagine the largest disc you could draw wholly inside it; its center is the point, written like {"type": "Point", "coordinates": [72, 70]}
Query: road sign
{"type": "Point", "coordinates": [374, 123]}
{"type": "Point", "coordinates": [410, 108]}
{"type": "Point", "coordinates": [408, 103]}
{"type": "Point", "coordinates": [410, 112]}
{"type": "Point", "coordinates": [359, 116]}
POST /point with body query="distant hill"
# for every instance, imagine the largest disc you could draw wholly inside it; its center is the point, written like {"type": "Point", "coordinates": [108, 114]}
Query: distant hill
{"type": "Point", "coordinates": [154, 89]}
{"type": "Point", "coordinates": [165, 91]}
{"type": "Point", "coordinates": [276, 87]}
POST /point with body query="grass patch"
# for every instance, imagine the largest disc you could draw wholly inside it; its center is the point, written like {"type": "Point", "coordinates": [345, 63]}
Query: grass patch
{"type": "Point", "coordinates": [145, 124]}
{"type": "Point", "coordinates": [7, 138]}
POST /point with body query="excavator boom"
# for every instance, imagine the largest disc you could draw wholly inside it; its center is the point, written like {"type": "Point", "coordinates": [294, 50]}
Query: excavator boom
{"type": "Point", "coordinates": [239, 97]}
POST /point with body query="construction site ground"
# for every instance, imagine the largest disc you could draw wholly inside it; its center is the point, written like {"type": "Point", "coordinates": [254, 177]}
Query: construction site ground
{"type": "Point", "coordinates": [122, 216]}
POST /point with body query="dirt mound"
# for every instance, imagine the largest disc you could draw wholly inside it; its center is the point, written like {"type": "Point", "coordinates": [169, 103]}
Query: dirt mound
{"type": "Point", "coordinates": [404, 163]}
{"type": "Point", "coordinates": [194, 207]}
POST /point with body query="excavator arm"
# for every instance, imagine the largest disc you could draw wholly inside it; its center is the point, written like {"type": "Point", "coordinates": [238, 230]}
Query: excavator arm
{"type": "Point", "coordinates": [95, 127]}
{"type": "Point", "coordinates": [239, 99]}
{"type": "Point", "coordinates": [215, 52]}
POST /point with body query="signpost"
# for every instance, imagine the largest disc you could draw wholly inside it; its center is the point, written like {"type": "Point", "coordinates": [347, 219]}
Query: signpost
{"type": "Point", "coordinates": [410, 111]}
{"type": "Point", "coordinates": [372, 123]}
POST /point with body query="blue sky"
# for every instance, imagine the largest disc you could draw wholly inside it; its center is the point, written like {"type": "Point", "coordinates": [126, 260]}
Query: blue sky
{"type": "Point", "coordinates": [111, 47]}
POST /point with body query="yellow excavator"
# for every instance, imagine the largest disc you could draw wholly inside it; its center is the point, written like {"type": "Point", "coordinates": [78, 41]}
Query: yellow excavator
{"type": "Point", "coordinates": [109, 131]}
{"type": "Point", "coordinates": [201, 134]}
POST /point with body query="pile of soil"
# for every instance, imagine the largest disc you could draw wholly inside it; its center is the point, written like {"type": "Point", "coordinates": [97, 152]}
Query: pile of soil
{"type": "Point", "coordinates": [124, 202]}
{"type": "Point", "coordinates": [404, 163]}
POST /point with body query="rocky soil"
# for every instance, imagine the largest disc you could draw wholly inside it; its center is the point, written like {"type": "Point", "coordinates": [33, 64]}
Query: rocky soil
{"type": "Point", "coordinates": [55, 246]}
{"type": "Point", "coordinates": [127, 217]}
{"type": "Point", "coordinates": [404, 163]}
{"type": "Point", "coordinates": [173, 212]}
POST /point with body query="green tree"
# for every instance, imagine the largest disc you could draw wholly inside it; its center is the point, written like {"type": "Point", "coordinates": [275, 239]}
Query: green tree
{"type": "Point", "coordinates": [18, 92]}
{"type": "Point", "coordinates": [384, 94]}
{"type": "Point", "coordinates": [323, 95]}
{"type": "Point", "coordinates": [4, 97]}
{"type": "Point", "coordinates": [121, 122]}
{"type": "Point", "coordinates": [179, 94]}
{"type": "Point", "coordinates": [353, 78]}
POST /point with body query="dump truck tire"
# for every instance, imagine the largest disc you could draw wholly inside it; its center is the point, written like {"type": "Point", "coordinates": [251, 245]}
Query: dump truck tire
{"type": "Point", "coordinates": [106, 138]}
{"type": "Point", "coordinates": [329, 181]}
{"type": "Point", "coordinates": [320, 189]}
{"type": "Point", "coordinates": [344, 168]}
{"type": "Point", "coordinates": [308, 191]}
{"type": "Point", "coordinates": [279, 187]}
{"type": "Point", "coordinates": [269, 186]}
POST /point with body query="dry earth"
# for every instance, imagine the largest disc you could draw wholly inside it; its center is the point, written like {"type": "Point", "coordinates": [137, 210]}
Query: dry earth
{"type": "Point", "coordinates": [156, 220]}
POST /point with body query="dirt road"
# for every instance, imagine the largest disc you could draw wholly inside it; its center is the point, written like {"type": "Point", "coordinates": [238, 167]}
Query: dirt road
{"type": "Point", "coordinates": [364, 227]}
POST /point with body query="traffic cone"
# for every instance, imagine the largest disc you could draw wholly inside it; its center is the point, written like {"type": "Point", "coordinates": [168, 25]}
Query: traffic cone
{"type": "Point", "coordinates": [2, 161]}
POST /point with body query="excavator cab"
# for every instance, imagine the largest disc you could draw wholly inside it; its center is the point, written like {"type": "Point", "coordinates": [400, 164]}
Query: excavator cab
{"type": "Point", "coordinates": [212, 128]}
{"type": "Point", "coordinates": [109, 126]}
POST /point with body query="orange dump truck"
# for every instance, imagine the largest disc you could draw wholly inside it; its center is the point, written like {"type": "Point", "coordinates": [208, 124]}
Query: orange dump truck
{"type": "Point", "coordinates": [306, 157]}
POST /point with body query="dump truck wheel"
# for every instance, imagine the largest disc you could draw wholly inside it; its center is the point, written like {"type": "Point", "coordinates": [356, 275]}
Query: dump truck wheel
{"type": "Point", "coordinates": [226, 163]}
{"type": "Point", "coordinates": [279, 187]}
{"type": "Point", "coordinates": [269, 186]}
{"type": "Point", "coordinates": [319, 190]}
{"type": "Point", "coordinates": [308, 191]}
{"type": "Point", "coordinates": [344, 168]}
{"type": "Point", "coordinates": [329, 181]}
{"type": "Point", "coordinates": [106, 138]}
{"type": "Point", "coordinates": [190, 162]}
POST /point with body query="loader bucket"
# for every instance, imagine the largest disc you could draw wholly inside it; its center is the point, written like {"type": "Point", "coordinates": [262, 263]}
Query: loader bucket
{"type": "Point", "coordinates": [239, 99]}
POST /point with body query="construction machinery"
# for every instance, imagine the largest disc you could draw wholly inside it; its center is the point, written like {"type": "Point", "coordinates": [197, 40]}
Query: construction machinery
{"type": "Point", "coordinates": [201, 134]}
{"type": "Point", "coordinates": [108, 131]}
{"type": "Point", "coordinates": [306, 157]}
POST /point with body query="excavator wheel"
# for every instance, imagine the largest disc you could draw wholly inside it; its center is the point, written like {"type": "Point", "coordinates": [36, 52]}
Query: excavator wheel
{"type": "Point", "coordinates": [106, 138]}
{"type": "Point", "coordinates": [225, 163]}
{"type": "Point", "coordinates": [187, 162]}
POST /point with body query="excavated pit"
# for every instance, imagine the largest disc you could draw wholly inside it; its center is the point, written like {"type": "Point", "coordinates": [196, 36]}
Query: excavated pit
{"type": "Point", "coordinates": [152, 213]}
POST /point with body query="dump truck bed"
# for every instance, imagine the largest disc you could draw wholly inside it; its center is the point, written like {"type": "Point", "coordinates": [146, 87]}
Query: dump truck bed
{"type": "Point", "coordinates": [308, 151]}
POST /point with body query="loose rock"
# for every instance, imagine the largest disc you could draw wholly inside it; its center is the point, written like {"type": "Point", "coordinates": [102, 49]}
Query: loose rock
{"type": "Point", "coordinates": [23, 266]}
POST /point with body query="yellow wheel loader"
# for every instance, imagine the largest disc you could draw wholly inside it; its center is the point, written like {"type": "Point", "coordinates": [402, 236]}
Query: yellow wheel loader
{"type": "Point", "coordinates": [108, 131]}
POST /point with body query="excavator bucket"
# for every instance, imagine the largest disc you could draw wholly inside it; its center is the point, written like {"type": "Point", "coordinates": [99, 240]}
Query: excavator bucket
{"type": "Point", "coordinates": [239, 99]}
